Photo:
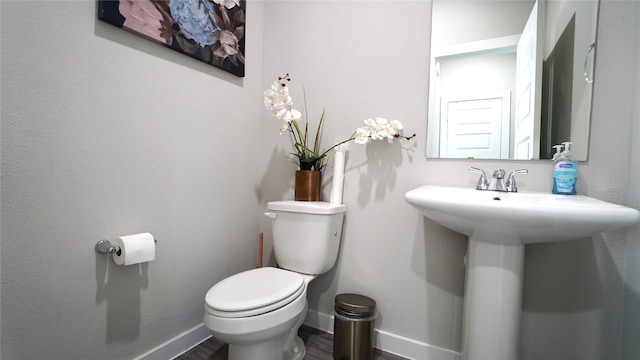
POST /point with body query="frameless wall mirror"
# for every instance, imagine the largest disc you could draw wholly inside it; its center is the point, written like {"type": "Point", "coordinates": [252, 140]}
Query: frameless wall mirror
{"type": "Point", "coordinates": [510, 78]}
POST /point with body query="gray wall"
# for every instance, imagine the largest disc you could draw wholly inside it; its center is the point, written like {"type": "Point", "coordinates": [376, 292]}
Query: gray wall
{"type": "Point", "coordinates": [366, 59]}
{"type": "Point", "coordinates": [104, 134]}
{"type": "Point", "coordinates": [631, 321]}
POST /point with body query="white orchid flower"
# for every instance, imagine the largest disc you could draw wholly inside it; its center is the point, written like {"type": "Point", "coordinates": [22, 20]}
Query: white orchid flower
{"type": "Point", "coordinates": [279, 112]}
{"type": "Point", "coordinates": [370, 123]}
{"type": "Point", "coordinates": [280, 89]}
{"type": "Point", "coordinates": [379, 132]}
{"type": "Point", "coordinates": [277, 86]}
{"type": "Point", "coordinates": [283, 127]}
{"type": "Point", "coordinates": [362, 135]}
{"type": "Point", "coordinates": [391, 134]}
{"type": "Point", "coordinates": [269, 98]}
{"type": "Point", "coordinates": [397, 125]}
{"type": "Point", "coordinates": [277, 104]}
{"type": "Point", "coordinates": [291, 115]}
{"type": "Point", "coordinates": [381, 121]}
{"type": "Point", "coordinates": [287, 100]}
{"type": "Point", "coordinates": [383, 133]}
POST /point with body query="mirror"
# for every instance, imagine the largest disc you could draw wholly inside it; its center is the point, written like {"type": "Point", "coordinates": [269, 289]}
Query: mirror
{"type": "Point", "coordinates": [510, 78]}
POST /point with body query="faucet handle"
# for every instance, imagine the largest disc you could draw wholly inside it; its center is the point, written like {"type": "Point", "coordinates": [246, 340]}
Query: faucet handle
{"type": "Point", "coordinates": [511, 181]}
{"type": "Point", "coordinates": [483, 183]}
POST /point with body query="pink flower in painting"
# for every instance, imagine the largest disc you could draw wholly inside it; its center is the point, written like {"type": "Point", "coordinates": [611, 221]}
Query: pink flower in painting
{"type": "Point", "coordinates": [228, 44]}
{"type": "Point", "coordinates": [142, 16]}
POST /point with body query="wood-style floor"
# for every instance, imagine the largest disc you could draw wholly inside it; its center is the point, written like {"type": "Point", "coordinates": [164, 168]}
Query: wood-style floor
{"type": "Point", "coordinates": [319, 347]}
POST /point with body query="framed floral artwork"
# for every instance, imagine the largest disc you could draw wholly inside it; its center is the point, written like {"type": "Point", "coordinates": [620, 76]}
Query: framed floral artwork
{"type": "Point", "coordinates": [211, 31]}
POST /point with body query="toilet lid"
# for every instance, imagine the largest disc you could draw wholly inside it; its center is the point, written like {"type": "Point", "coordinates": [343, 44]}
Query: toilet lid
{"type": "Point", "coordinates": [254, 292]}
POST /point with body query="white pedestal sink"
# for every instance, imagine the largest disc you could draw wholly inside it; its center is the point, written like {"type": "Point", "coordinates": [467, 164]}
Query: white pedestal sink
{"type": "Point", "coordinates": [498, 225]}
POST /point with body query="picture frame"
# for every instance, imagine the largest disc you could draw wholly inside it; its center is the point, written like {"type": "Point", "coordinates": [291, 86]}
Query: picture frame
{"type": "Point", "coordinates": [212, 31]}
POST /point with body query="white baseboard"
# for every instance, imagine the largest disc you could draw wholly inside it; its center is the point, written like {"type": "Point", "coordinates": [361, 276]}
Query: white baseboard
{"type": "Point", "coordinates": [386, 341]}
{"type": "Point", "coordinates": [178, 345]}
{"type": "Point", "coordinates": [391, 343]}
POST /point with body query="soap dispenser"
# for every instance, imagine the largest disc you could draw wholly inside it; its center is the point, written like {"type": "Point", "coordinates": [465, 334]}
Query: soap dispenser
{"type": "Point", "coordinates": [565, 172]}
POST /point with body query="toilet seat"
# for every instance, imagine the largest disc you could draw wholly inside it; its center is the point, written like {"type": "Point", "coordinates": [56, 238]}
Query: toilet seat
{"type": "Point", "coordinates": [254, 292]}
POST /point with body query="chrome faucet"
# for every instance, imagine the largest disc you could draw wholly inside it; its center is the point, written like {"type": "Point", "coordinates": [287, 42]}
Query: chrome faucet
{"type": "Point", "coordinates": [498, 182]}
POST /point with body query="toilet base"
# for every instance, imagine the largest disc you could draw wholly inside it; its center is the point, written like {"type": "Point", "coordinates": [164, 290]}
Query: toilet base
{"type": "Point", "coordinates": [271, 350]}
{"type": "Point", "coordinates": [298, 351]}
{"type": "Point", "coordinates": [286, 346]}
{"type": "Point", "coordinates": [267, 350]}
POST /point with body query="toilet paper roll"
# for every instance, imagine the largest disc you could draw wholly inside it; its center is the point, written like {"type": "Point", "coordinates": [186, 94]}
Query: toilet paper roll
{"type": "Point", "coordinates": [134, 249]}
{"type": "Point", "coordinates": [338, 174]}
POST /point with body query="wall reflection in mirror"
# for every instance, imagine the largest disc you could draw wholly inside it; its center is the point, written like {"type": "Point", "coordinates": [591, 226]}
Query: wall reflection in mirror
{"type": "Point", "coordinates": [510, 78]}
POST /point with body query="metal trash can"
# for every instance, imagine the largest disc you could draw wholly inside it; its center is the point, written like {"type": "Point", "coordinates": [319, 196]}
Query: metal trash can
{"type": "Point", "coordinates": [353, 327]}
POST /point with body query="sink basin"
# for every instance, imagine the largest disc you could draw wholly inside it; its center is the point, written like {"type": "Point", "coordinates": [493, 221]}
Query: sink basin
{"type": "Point", "coordinates": [499, 225]}
{"type": "Point", "coordinates": [519, 218]}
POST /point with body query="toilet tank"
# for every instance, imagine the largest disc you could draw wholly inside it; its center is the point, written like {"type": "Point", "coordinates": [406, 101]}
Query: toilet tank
{"type": "Point", "coordinates": [306, 234]}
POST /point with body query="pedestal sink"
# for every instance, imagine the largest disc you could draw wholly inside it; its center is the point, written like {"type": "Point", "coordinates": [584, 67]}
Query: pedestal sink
{"type": "Point", "coordinates": [498, 225]}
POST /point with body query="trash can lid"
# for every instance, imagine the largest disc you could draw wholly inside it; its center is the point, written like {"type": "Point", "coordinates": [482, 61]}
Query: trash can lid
{"type": "Point", "coordinates": [355, 303]}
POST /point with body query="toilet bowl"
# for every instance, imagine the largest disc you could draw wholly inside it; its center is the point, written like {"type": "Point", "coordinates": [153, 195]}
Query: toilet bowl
{"type": "Point", "coordinates": [258, 312]}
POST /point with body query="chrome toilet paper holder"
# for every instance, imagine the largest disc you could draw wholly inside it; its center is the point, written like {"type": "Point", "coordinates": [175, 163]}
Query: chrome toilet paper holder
{"type": "Point", "coordinates": [105, 247]}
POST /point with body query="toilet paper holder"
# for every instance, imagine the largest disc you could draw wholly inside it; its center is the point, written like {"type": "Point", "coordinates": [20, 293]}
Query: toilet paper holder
{"type": "Point", "coordinates": [105, 247]}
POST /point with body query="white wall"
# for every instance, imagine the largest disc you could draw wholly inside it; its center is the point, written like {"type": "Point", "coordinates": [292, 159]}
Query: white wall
{"type": "Point", "coordinates": [91, 150]}
{"type": "Point", "coordinates": [105, 134]}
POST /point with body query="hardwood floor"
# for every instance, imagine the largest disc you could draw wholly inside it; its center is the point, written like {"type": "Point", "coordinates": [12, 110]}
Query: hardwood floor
{"type": "Point", "coordinates": [319, 347]}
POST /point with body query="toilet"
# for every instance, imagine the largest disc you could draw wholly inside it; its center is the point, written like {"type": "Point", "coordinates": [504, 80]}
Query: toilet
{"type": "Point", "coordinates": [258, 312]}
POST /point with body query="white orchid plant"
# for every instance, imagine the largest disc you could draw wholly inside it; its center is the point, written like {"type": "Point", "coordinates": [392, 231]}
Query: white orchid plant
{"type": "Point", "coordinates": [278, 100]}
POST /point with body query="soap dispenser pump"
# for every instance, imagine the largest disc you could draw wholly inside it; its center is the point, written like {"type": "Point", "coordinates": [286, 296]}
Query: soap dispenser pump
{"type": "Point", "coordinates": [565, 172]}
{"type": "Point", "coordinates": [558, 152]}
{"type": "Point", "coordinates": [567, 149]}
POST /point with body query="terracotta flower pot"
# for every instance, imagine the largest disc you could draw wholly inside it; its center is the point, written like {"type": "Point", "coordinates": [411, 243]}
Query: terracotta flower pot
{"type": "Point", "coordinates": [307, 185]}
